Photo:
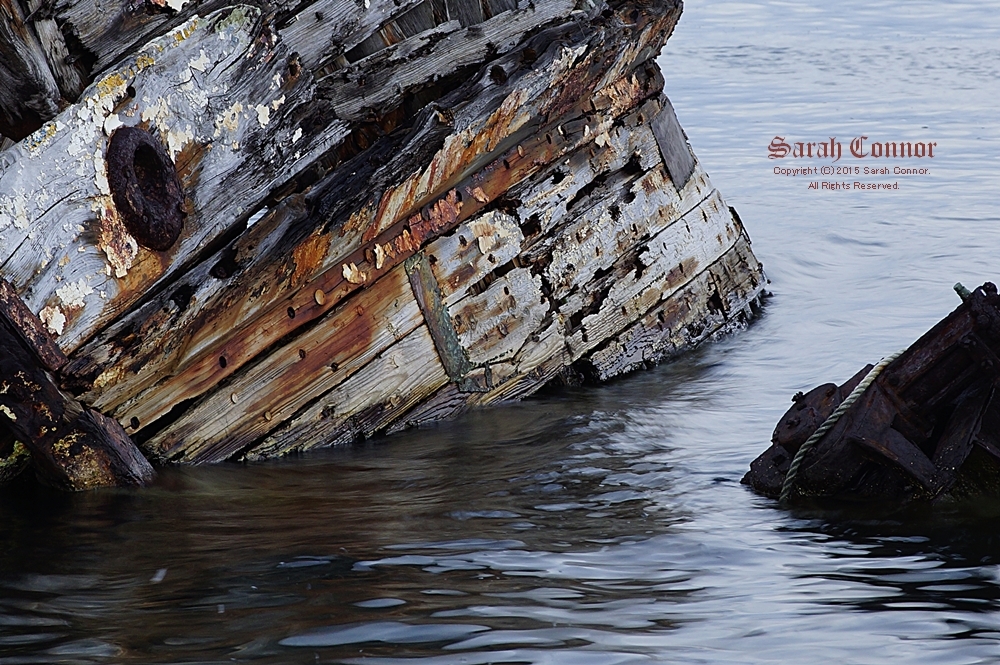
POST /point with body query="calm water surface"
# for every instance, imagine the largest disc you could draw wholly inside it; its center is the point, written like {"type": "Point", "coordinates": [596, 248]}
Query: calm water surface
{"type": "Point", "coordinates": [608, 525]}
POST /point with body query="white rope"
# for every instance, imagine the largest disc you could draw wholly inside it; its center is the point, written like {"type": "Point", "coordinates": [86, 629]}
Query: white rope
{"type": "Point", "coordinates": [793, 470]}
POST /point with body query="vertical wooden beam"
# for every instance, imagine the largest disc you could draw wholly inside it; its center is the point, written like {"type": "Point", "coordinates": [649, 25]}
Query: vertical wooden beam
{"type": "Point", "coordinates": [673, 144]}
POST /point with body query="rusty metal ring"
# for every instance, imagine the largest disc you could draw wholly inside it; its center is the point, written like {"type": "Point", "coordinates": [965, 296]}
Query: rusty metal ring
{"type": "Point", "coordinates": [145, 188]}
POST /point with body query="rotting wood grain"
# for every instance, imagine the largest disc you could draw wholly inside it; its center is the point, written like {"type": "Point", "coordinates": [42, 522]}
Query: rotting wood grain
{"type": "Point", "coordinates": [402, 376]}
{"type": "Point", "coordinates": [474, 137]}
{"type": "Point", "coordinates": [532, 189]}
{"type": "Point", "coordinates": [63, 244]}
{"type": "Point", "coordinates": [681, 322]}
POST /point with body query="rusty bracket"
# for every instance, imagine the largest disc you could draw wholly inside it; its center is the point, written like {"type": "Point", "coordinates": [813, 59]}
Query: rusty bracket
{"type": "Point", "coordinates": [453, 357]}
{"type": "Point", "coordinates": [29, 328]}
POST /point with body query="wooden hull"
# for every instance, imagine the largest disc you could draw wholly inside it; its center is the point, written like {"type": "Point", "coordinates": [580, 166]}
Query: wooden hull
{"type": "Point", "coordinates": [927, 428]}
{"type": "Point", "coordinates": [424, 211]}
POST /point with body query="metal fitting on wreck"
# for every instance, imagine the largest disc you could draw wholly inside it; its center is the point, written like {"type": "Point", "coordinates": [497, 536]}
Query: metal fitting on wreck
{"type": "Point", "coordinates": [145, 188]}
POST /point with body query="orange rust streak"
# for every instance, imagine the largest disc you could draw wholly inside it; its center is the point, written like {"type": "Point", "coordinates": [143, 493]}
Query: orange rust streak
{"type": "Point", "coordinates": [307, 256]}
{"type": "Point", "coordinates": [516, 164]}
{"type": "Point", "coordinates": [287, 375]}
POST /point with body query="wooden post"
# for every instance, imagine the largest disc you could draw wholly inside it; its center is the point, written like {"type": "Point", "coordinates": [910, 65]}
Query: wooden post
{"type": "Point", "coordinates": [71, 447]}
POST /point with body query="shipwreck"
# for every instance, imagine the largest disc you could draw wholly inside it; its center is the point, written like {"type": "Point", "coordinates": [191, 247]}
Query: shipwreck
{"type": "Point", "coordinates": [234, 231]}
{"type": "Point", "coordinates": [922, 425]}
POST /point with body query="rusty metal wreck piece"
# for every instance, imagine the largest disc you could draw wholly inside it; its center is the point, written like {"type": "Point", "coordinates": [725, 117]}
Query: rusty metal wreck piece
{"type": "Point", "coordinates": [145, 188]}
{"type": "Point", "coordinates": [928, 428]}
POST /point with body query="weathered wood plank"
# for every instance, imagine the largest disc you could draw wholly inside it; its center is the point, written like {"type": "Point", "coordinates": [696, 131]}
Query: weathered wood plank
{"type": "Point", "coordinates": [326, 29]}
{"type": "Point", "coordinates": [666, 263]}
{"type": "Point", "coordinates": [468, 12]}
{"type": "Point", "coordinates": [29, 328]}
{"type": "Point", "coordinates": [234, 127]}
{"type": "Point", "coordinates": [475, 139]}
{"type": "Point", "coordinates": [29, 95]}
{"type": "Point", "coordinates": [682, 320]}
{"type": "Point", "coordinates": [686, 318]}
{"type": "Point", "coordinates": [495, 324]}
{"type": "Point", "coordinates": [64, 67]}
{"type": "Point", "coordinates": [677, 155]}
{"type": "Point", "coordinates": [957, 439]}
{"type": "Point", "coordinates": [404, 375]}
{"type": "Point", "coordinates": [476, 248]}
{"type": "Point", "coordinates": [72, 448]}
{"type": "Point", "coordinates": [381, 80]}
{"type": "Point", "coordinates": [136, 351]}
{"type": "Point", "coordinates": [316, 30]}
{"type": "Point", "coordinates": [268, 393]}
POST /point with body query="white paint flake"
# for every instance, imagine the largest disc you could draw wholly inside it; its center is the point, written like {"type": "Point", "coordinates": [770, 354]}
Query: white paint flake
{"type": "Point", "coordinates": [101, 172]}
{"type": "Point", "coordinates": [54, 319]}
{"type": "Point", "coordinates": [176, 140]}
{"type": "Point", "coordinates": [111, 123]}
{"type": "Point", "coordinates": [200, 63]}
{"type": "Point", "coordinates": [72, 295]}
{"type": "Point", "coordinates": [263, 114]}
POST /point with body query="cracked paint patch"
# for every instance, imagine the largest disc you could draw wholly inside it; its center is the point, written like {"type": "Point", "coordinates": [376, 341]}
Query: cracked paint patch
{"type": "Point", "coordinates": [53, 318]}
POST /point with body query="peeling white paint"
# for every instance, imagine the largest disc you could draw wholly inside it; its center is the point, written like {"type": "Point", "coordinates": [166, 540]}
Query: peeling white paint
{"type": "Point", "coordinates": [101, 172]}
{"type": "Point", "coordinates": [73, 294]}
{"type": "Point", "coordinates": [297, 134]}
{"type": "Point", "coordinates": [156, 113]}
{"type": "Point", "coordinates": [54, 319]}
{"type": "Point", "coordinates": [111, 123]}
{"type": "Point", "coordinates": [263, 114]}
{"type": "Point", "coordinates": [353, 274]}
{"type": "Point", "coordinates": [176, 140]}
{"type": "Point", "coordinates": [199, 63]}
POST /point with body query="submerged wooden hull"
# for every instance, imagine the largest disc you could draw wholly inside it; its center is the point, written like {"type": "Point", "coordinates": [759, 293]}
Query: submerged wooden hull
{"type": "Point", "coordinates": [927, 427]}
{"type": "Point", "coordinates": [433, 207]}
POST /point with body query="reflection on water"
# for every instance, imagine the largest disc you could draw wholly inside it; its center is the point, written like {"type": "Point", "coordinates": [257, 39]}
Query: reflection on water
{"type": "Point", "coordinates": [606, 525]}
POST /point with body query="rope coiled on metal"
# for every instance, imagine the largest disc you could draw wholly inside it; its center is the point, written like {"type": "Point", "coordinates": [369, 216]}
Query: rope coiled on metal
{"type": "Point", "coordinates": [793, 470]}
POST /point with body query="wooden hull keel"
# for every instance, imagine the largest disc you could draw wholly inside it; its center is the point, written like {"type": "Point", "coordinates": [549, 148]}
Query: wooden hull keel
{"type": "Point", "coordinates": [255, 230]}
{"type": "Point", "coordinates": [927, 428]}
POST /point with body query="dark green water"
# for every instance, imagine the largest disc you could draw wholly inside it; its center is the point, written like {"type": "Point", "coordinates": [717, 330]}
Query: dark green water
{"type": "Point", "coordinates": [608, 525]}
